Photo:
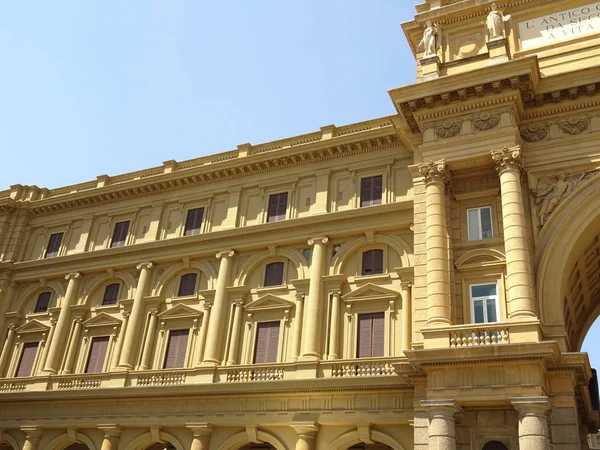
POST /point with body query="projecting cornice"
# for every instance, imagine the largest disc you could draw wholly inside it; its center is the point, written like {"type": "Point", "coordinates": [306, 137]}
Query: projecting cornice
{"type": "Point", "coordinates": [329, 144]}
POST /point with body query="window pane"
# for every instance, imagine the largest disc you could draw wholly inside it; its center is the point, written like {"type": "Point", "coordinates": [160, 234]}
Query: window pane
{"type": "Point", "coordinates": [473, 224]}
{"type": "Point", "coordinates": [120, 234]}
{"type": "Point", "coordinates": [372, 262]}
{"type": "Point", "coordinates": [478, 309]}
{"type": "Point", "coordinates": [187, 285]}
{"type": "Point", "coordinates": [371, 189]}
{"type": "Point", "coordinates": [111, 294]}
{"type": "Point", "coordinates": [274, 274]}
{"type": "Point", "coordinates": [486, 223]}
{"type": "Point", "coordinates": [54, 245]}
{"type": "Point", "coordinates": [28, 355]}
{"type": "Point", "coordinates": [491, 310]}
{"type": "Point", "coordinates": [43, 302]}
{"type": "Point", "coordinates": [277, 207]}
{"type": "Point", "coordinates": [193, 222]}
{"type": "Point", "coordinates": [484, 290]}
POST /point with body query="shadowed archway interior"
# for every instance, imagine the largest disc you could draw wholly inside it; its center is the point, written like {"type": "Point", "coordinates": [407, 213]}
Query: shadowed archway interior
{"type": "Point", "coordinates": [495, 445]}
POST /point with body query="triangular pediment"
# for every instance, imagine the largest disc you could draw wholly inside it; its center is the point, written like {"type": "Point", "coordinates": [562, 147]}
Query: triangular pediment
{"type": "Point", "coordinates": [371, 291]}
{"type": "Point", "coordinates": [32, 326]}
{"type": "Point", "coordinates": [102, 320]}
{"type": "Point", "coordinates": [269, 301]}
{"type": "Point", "coordinates": [179, 312]}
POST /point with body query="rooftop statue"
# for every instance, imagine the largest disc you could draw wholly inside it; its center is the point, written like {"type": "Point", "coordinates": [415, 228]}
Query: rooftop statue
{"type": "Point", "coordinates": [495, 23]}
{"type": "Point", "coordinates": [430, 41]}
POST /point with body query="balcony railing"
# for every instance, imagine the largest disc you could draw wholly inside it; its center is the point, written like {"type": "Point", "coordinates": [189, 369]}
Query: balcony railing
{"type": "Point", "coordinates": [170, 378]}
{"type": "Point", "coordinates": [78, 382]}
{"type": "Point", "coordinates": [362, 369]}
{"type": "Point", "coordinates": [261, 374]}
{"type": "Point", "coordinates": [477, 338]}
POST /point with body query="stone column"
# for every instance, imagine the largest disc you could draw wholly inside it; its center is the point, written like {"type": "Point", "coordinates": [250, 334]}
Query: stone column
{"type": "Point", "coordinates": [218, 317]}
{"type": "Point", "coordinates": [234, 347]}
{"type": "Point", "coordinates": [136, 319]}
{"type": "Point", "coordinates": [112, 433]}
{"type": "Point", "coordinates": [298, 326]}
{"type": "Point", "coordinates": [57, 345]}
{"type": "Point", "coordinates": [6, 296]}
{"type": "Point", "coordinates": [306, 433]}
{"type": "Point", "coordinates": [442, 427]}
{"type": "Point", "coordinates": [46, 347]}
{"type": "Point", "coordinates": [74, 344]}
{"type": "Point", "coordinates": [315, 306]}
{"type": "Point", "coordinates": [406, 316]}
{"type": "Point", "coordinates": [334, 332]}
{"type": "Point", "coordinates": [7, 349]}
{"type": "Point", "coordinates": [202, 338]}
{"type": "Point", "coordinates": [519, 270]}
{"type": "Point", "coordinates": [201, 436]}
{"type": "Point", "coordinates": [533, 422]}
{"type": "Point", "coordinates": [150, 338]}
{"type": "Point", "coordinates": [32, 437]}
{"type": "Point", "coordinates": [437, 175]}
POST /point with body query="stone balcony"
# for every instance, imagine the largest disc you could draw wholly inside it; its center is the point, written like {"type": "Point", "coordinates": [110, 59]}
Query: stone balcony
{"type": "Point", "coordinates": [256, 373]}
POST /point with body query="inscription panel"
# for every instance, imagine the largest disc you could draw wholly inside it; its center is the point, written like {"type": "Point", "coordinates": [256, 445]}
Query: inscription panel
{"type": "Point", "coordinates": [560, 26]}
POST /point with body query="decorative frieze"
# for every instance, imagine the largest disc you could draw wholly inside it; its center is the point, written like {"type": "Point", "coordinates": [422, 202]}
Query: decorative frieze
{"type": "Point", "coordinates": [534, 132]}
{"type": "Point", "coordinates": [486, 121]}
{"type": "Point", "coordinates": [575, 125]}
{"type": "Point", "coordinates": [448, 129]}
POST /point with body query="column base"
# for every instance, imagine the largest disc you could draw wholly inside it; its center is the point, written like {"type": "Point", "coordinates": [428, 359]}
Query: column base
{"type": "Point", "coordinates": [310, 357]}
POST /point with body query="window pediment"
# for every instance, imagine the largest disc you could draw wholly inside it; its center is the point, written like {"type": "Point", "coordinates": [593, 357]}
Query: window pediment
{"type": "Point", "coordinates": [179, 312]}
{"type": "Point", "coordinates": [370, 292]}
{"type": "Point", "coordinates": [101, 320]}
{"type": "Point", "coordinates": [477, 259]}
{"type": "Point", "coordinates": [32, 326]}
{"type": "Point", "coordinates": [269, 302]}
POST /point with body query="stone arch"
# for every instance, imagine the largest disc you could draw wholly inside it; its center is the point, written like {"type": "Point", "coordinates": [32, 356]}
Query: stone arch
{"type": "Point", "coordinates": [396, 243]}
{"type": "Point", "coordinates": [351, 438]}
{"type": "Point", "coordinates": [26, 297]}
{"type": "Point", "coordinates": [127, 278]}
{"type": "Point", "coordinates": [207, 269]}
{"type": "Point", "coordinates": [240, 439]}
{"type": "Point", "coordinates": [9, 440]}
{"type": "Point", "coordinates": [147, 439]}
{"type": "Point", "coordinates": [294, 256]}
{"type": "Point", "coordinates": [564, 237]}
{"type": "Point", "coordinates": [64, 440]}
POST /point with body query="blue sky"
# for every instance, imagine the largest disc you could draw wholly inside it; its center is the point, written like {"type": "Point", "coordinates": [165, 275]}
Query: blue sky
{"type": "Point", "coordinates": [105, 87]}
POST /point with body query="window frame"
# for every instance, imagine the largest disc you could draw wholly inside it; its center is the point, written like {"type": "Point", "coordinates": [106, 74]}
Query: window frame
{"type": "Point", "coordinates": [34, 310]}
{"type": "Point", "coordinates": [485, 313]}
{"type": "Point", "coordinates": [480, 227]}
{"type": "Point", "coordinates": [180, 280]}
{"type": "Point", "coordinates": [188, 345]}
{"type": "Point", "coordinates": [362, 262]}
{"type": "Point", "coordinates": [36, 358]}
{"type": "Point", "coordinates": [106, 286]}
{"type": "Point", "coordinates": [202, 221]}
{"type": "Point", "coordinates": [106, 354]}
{"type": "Point", "coordinates": [125, 240]}
{"type": "Point", "coordinates": [273, 219]}
{"type": "Point", "coordinates": [265, 274]}
{"type": "Point", "coordinates": [278, 356]}
{"type": "Point", "coordinates": [382, 316]}
{"type": "Point", "coordinates": [47, 255]}
{"type": "Point", "coordinates": [362, 203]}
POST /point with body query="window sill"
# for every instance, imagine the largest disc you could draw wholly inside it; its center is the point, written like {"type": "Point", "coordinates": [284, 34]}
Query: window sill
{"type": "Point", "coordinates": [484, 243]}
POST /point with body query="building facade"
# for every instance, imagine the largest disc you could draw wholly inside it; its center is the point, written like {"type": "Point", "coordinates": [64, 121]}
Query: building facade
{"type": "Point", "coordinates": [419, 281]}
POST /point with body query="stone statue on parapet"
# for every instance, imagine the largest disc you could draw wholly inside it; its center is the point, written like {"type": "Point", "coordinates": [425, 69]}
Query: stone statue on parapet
{"type": "Point", "coordinates": [430, 41]}
{"type": "Point", "coordinates": [496, 23]}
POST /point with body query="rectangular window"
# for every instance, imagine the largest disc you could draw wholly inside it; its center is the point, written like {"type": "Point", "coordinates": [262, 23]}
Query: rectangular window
{"type": "Point", "coordinates": [27, 359]}
{"type": "Point", "coordinates": [274, 274]}
{"type": "Point", "coordinates": [111, 294]}
{"type": "Point", "coordinates": [176, 349]}
{"type": "Point", "coordinates": [371, 191]}
{"type": "Point", "coordinates": [54, 245]}
{"type": "Point", "coordinates": [193, 222]}
{"type": "Point", "coordinates": [95, 363]}
{"type": "Point", "coordinates": [277, 207]}
{"type": "Point", "coordinates": [119, 237]}
{"type": "Point", "coordinates": [479, 223]}
{"type": "Point", "coordinates": [267, 342]}
{"type": "Point", "coordinates": [372, 262]}
{"type": "Point", "coordinates": [43, 302]}
{"type": "Point", "coordinates": [484, 303]}
{"type": "Point", "coordinates": [187, 285]}
{"type": "Point", "coordinates": [370, 335]}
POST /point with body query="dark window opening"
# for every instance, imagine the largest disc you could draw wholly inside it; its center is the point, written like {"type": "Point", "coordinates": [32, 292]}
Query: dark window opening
{"type": "Point", "coordinates": [193, 222]}
{"type": "Point", "coordinates": [274, 274]}
{"type": "Point", "coordinates": [27, 359]}
{"type": "Point", "coordinates": [372, 262]}
{"type": "Point", "coordinates": [267, 343]}
{"type": "Point", "coordinates": [371, 191]}
{"type": "Point", "coordinates": [277, 207]}
{"type": "Point", "coordinates": [111, 294]}
{"type": "Point", "coordinates": [176, 349]}
{"type": "Point", "coordinates": [54, 245]}
{"type": "Point", "coordinates": [119, 237]}
{"type": "Point", "coordinates": [95, 363]}
{"type": "Point", "coordinates": [187, 285]}
{"type": "Point", "coordinates": [43, 302]}
{"type": "Point", "coordinates": [370, 335]}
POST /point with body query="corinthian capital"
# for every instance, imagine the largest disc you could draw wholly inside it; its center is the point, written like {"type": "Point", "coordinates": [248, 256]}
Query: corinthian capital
{"type": "Point", "coordinates": [507, 159]}
{"type": "Point", "coordinates": [435, 172]}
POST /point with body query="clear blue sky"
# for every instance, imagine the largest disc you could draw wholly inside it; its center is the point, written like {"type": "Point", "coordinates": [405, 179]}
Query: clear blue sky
{"type": "Point", "coordinates": [94, 87]}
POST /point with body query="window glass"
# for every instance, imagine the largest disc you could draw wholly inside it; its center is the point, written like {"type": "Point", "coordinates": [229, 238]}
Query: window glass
{"type": "Point", "coordinates": [193, 222]}
{"type": "Point", "coordinates": [111, 294]}
{"type": "Point", "coordinates": [486, 223]}
{"type": "Point", "coordinates": [43, 302]}
{"type": "Point", "coordinates": [478, 308]}
{"type": "Point", "coordinates": [484, 300]}
{"type": "Point", "coordinates": [277, 207]}
{"type": "Point", "coordinates": [187, 285]}
{"type": "Point", "coordinates": [372, 262]}
{"type": "Point", "coordinates": [483, 290]}
{"type": "Point", "coordinates": [120, 234]}
{"type": "Point", "coordinates": [274, 274]}
{"type": "Point", "coordinates": [473, 223]}
{"type": "Point", "coordinates": [371, 191]}
{"type": "Point", "coordinates": [491, 310]}
{"type": "Point", "coordinates": [54, 245]}
{"type": "Point", "coordinates": [479, 223]}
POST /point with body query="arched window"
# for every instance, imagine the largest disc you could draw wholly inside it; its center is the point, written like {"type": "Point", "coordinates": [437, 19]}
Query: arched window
{"type": "Point", "coordinates": [111, 294]}
{"type": "Point", "coordinates": [274, 274]}
{"type": "Point", "coordinates": [372, 262]}
{"type": "Point", "coordinates": [43, 302]}
{"type": "Point", "coordinates": [187, 285]}
{"type": "Point", "coordinates": [495, 445]}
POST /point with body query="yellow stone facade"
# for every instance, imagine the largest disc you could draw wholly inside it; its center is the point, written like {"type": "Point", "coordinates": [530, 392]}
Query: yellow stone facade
{"type": "Point", "coordinates": [484, 180]}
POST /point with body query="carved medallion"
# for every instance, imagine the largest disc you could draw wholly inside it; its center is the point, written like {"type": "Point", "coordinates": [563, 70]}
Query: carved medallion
{"type": "Point", "coordinates": [448, 129]}
{"type": "Point", "coordinates": [534, 132]}
{"type": "Point", "coordinates": [486, 121]}
{"type": "Point", "coordinates": [575, 125]}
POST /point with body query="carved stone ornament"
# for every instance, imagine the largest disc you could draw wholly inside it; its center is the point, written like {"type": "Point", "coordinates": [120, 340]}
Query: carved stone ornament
{"type": "Point", "coordinates": [486, 121]}
{"type": "Point", "coordinates": [507, 159]}
{"type": "Point", "coordinates": [551, 190]}
{"type": "Point", "coordinates": [435, 172]}
{"type": "Point", "coordinates": [534, 132]}
{"type": "Point", "coordinates": [575, 125]}
{"type": "Point", "coordinates": [448, 129]}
